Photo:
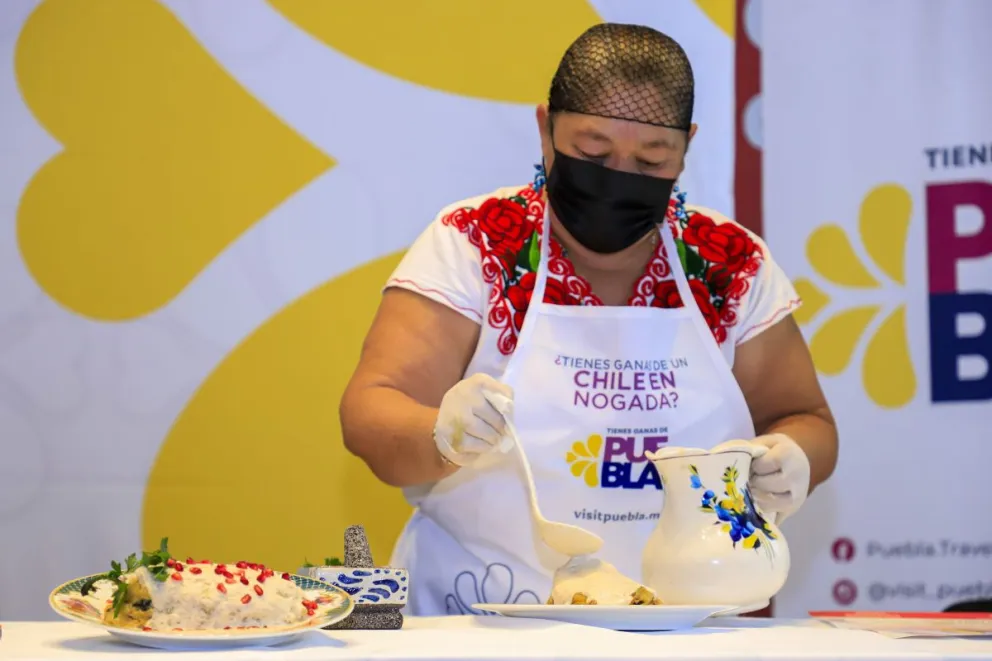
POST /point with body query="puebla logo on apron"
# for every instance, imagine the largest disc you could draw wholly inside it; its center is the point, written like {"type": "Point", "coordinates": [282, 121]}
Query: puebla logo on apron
{"type": "Point", "coordinates": [614, 458]}
{"type": "Point", "coordinates": [617, 459]}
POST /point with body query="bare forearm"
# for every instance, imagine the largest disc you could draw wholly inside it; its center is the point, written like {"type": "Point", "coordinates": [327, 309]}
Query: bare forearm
{"type": "Point", "coordinates": [393, 435]}
{"type": "Point", "coordinates": [816, 434]}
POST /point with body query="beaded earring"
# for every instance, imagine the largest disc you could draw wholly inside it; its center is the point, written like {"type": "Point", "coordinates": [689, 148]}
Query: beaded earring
{"type": "Point", "coordinates": [540, 176]}
{"type": "Point", "coordinates": [680, 213]}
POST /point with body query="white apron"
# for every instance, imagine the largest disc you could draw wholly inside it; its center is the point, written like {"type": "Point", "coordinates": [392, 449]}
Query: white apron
{"type": "Point", "coordinates": [594, 386]}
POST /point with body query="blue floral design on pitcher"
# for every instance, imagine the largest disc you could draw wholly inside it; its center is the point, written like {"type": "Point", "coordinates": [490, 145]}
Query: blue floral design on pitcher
{"type": "Point", "coordinates": [468, 590]}
{"type": "Point", "coordinates": [735, 511]}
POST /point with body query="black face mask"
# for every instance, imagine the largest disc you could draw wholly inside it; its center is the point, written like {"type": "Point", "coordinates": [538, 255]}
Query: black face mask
{"type": "Point", "coordinates": [606, 210]}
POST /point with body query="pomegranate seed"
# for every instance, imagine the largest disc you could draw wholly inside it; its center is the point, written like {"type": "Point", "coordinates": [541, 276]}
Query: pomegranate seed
{"type": "Point", "coordinates": [226, 628]}
{"type": "Point", "coordinates": [323, 600]}
{"type": "Point", "coordinates": [178, 566]}
{"type": "Point", "coordinates": [195, 570]}
{"type": "Point", "coordinates": [227, 574]}
{"type": "Point", "coordinates": [252, 566]}
{"type": "Point", "coordinates": [204, 562]}
{"type": "Point", "coordinates": [229, 580]}
{"type": "Point", "coordinates": [170, 563]}
{"type": "Point", "coordinates": [222, 588]}
{"type": "Point", "coordinates": [177, 576]}
{"type": "Point", "coordinates": [241, 565]}
{"type": "Point", "coordinates": [147, 629]}
{"type": "Point", "coordinates": [245, 599]}
{"type": "Point", "coordinates": [190, 560]}
{"type": "Point", "coordinates": [261, 578]}
{"type": "Point", "coordinates": [244, 581]}
{"type": "Point", "coordinates": [258, 590]}
{"type": "Point", "coordinates": [219, 570]}
{"type": "Point", "coordinates": [311, 612]}
{"type": "Point", "coordinates": [285, 576]}
{"type": "Point", "coordinates": [177, 629]}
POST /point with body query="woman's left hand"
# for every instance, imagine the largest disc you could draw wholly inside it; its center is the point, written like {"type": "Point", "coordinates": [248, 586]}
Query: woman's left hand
{"type": "Point", "coordinates": [779, 478]}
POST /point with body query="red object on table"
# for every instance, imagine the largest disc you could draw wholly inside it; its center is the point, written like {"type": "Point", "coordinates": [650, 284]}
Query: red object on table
{"type": "Point", "coordinates": [901, 615]}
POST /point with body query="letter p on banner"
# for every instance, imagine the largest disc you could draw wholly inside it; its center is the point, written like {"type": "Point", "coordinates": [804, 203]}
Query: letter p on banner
{"type": "Point", "coordinates": [949, 307]}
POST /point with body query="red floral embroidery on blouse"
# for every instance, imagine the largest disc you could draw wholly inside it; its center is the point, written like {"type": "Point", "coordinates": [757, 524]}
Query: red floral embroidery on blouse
{"type": "Point", "coordinates": [719, 262]}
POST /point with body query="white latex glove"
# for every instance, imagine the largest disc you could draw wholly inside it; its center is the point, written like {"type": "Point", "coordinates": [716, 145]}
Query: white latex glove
{"type": "Point", "coordinates": [469, 424]}
{"type": "Point", "coordinates": [779, 478]}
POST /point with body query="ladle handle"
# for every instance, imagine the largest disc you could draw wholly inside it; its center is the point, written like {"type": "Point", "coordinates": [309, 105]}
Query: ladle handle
{"type": "Point", "coordinates": [505, 408]}
{"type": "Point", "coordinates": [518, 449]}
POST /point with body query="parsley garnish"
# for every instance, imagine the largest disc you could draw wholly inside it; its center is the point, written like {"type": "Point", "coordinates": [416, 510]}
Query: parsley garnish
{"type": "Point", "coordinates": [328, 562]}
{"type": "Point", "coordinates": [154, 561]}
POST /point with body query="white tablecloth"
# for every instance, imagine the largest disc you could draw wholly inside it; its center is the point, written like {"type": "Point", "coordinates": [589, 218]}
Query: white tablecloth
{"type": "Point", "coordinates": [505, 638]}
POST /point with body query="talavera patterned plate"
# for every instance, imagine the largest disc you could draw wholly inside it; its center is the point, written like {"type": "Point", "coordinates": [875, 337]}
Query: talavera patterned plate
{"type": "Point", "coordinates": [368, 586]}
{"type": "Point", "coordinates": [69, 603]}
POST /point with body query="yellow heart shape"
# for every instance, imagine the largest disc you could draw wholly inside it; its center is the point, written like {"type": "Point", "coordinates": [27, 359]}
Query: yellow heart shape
{"type": "Point", "coordinates": [167, 158]}
{"type": "Point", "coordinates": [255, 465]}
{"type": "Point", "coordinates": [501, 51]}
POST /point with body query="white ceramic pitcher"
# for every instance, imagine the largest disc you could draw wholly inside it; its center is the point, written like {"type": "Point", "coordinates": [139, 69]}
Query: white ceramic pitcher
{"type": "Point", "coordinates": [712, 545]}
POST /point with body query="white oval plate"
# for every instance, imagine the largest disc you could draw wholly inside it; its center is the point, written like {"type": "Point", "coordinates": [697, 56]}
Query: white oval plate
{"type": "Point", "coordinates": [618, 618]}
{"type": "Point", "coordinates": [67, 602]}
{"type": "Point", "coordinates": [740, 610]}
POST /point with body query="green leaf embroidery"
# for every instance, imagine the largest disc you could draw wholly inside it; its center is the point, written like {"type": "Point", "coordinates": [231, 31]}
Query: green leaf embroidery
{"type": "Point", "coordinates": [534, 252]}
{"type": "Point", "coordinates": [523, 258]}
{"type": "Point", "coordinates": [693, 264]}
{"type": "Point", "coordinates": [680, 246]}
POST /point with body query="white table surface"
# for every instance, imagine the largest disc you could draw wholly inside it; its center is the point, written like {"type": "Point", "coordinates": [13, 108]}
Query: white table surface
{"type": "Point", "coordinates": [506, 638]}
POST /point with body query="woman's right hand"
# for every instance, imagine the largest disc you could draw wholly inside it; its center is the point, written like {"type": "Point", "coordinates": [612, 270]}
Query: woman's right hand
{"type": "Point", "coordinates": [468, 426]}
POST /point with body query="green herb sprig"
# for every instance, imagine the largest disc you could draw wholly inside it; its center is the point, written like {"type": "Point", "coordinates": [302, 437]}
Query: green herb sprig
{"type": "Point", "coordinates": [154, 561]}
{"type": "Point", "coordinates": [328, 562]}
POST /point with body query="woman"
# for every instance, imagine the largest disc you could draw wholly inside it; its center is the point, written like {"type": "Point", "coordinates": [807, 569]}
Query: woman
{"type": "Point", "coordinates": [606, 316]}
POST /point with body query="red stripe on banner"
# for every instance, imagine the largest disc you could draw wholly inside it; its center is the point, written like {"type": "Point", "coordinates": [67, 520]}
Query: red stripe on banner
{"type": "Point", "coordinates": [747, 159]}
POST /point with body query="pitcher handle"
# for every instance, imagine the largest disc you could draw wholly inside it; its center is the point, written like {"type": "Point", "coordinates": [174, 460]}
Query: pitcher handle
{"type": "Point", "coordinates": [758, 451]}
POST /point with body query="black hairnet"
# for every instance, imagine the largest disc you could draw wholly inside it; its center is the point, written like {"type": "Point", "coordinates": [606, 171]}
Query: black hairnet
{"type": "Point", "coordinates": [628, 72]}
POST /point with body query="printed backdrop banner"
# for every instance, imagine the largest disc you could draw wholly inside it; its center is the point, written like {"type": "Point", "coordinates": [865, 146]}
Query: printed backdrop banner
{"type": "Point", "coordinates": [199, 202]}
{"type": "Point", "coordinates": [878, 199]}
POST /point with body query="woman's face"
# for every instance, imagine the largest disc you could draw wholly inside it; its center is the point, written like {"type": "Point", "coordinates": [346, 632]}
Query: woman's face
{"type": "Point", "coordinates": [618, 144]}
{"type": "Point", "coordinates": [615, 143]}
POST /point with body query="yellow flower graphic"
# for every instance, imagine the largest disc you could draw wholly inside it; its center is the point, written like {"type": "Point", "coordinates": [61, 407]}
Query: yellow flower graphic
{"type": "Point", "coordinates": [886, 367]}
{"type": "Point", "coordinates": [583, 459]}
